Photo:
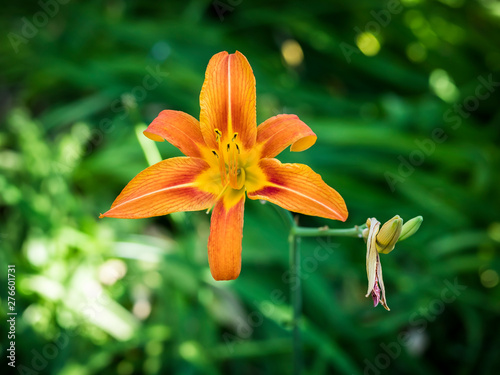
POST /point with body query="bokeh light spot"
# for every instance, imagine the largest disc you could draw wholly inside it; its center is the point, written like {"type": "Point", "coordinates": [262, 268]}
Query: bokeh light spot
{"type": "Point", "coordinates": [292, 52]}
{"type": "Point", "coordinates": [37, 252]}
{"type": "Point", "coordinates": [442, 85]}
{"type": "Point", "coordinates": [414, 19]}
{"type": "Point", "coordinates": [142, 309]}
{"type": "Point", "coordinates": [421, 28]}
{"type": "Point", "coordinates": [416, 52]}
{"type": "Point", "coordinates": [368, 44]}
{"type": "Point", "coordinates": [489, 278]}
{"type": "Point", "coordinates": [152, 365]}
{"type": "Point", "coordinates": [112, 271]}
{"type": "Point", "coordinates": [494, 231]}
{"type": "Point", "coordinates": [160, 50]}
{"type": "Point", "coordinates": [188, 350]}
{"type": "Point", "coordinates": [154, 348]}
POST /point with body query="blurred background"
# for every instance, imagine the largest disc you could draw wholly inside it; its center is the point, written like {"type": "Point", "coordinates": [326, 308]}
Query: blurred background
{"type": "Point", "coordinates": [403, 96]}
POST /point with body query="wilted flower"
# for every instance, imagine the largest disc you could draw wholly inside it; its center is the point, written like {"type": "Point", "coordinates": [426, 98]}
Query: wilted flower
{"type": "Point", "coordinates": [382, 240]}
{"type": "Point", "coordinates": [373, 266]}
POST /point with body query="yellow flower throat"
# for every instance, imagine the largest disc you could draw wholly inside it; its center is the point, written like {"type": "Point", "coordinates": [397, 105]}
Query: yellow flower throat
{"type": "Point", "coordinates": [228, 154]}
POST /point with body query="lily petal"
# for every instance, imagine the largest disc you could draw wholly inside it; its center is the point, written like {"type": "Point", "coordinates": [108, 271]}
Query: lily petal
{"type": "Point", "coordinates": [168, 186]}
{"type": "Point", "coordinates": [179, 129]}
{"type": "Point", "coordinates": [296, 187]}
{"type": "Point", "coordinates": [226, 234]}
{"type": "Point", "coordinates": [227, 100]}
{"type": "Point", "coordinates": [278, 132]}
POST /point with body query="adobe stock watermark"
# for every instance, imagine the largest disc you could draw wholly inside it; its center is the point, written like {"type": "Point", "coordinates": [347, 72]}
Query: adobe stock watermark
{"type": "Point", "coordinates": [89, 310]}
{"type": "Point", "coordinates": [222, 7]}
{"type": "Point", "coordinates": [31, 26]}
{"type": "Point", "coordinates": [381, 19]}
{"type": "Point", "coordinates": [453, 117]}
{"type": "Point", "coordinates": [41, 358]}
{"type": "Point", "coordinates": [121, 108]}
{"type": "Point", "coordinates": [419, 320]}
{"type": "Point", "coordinates": [254, 319]}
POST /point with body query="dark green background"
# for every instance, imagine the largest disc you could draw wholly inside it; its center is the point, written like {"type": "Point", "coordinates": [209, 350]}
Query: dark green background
{"type": "Point", "coordinates": [135, 296]}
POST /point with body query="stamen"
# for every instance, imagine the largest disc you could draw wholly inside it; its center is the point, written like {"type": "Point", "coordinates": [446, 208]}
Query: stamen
{"type": "Point", "coordinates": [222, 165]}
{"type": "Point", "coordinates": [218, 134]}
{"type": "Point", "coordinates": [230, 173]}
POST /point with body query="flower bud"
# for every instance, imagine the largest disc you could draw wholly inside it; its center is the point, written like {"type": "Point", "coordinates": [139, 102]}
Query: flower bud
{"type": "Point", "coordinates": [389, 235]}
{"type": "Point", "coordinates": [410, 227]}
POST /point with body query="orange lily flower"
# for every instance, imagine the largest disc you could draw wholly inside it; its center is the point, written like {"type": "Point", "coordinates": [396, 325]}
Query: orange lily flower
{"type": "Point", "coordinates": [226, 156]}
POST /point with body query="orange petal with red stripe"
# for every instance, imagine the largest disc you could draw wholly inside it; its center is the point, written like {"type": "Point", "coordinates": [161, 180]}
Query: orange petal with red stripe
{"type": "Point", "coordinates": [168, 186]}
{"type": "Point", "coordinates": [296, 187]}
{"type": "Point", "coordinates": [279, 132]}
{"type": "Point", "coordinates": [179, 129]}
{"type": "Point", "coordinates": [227, 100]}
{"type": "Point", "coordinates": [226, 234]}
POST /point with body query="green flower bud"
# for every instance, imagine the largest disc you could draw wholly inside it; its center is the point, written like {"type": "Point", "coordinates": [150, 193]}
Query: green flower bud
{"type": "Point", "coordinates": [389, 235]}
{"type": "Point", "coordinates": [410, 227]}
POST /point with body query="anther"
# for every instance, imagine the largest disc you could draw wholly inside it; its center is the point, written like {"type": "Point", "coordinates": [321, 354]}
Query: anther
{"type": "Point", "coordinates": [218, 135]}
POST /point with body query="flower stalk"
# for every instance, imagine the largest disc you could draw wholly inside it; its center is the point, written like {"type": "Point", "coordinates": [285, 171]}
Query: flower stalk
{"type": "Point", "coordinates": [296, 301]}
{"type": "Point", "coordinates": [295, 234]}
{"type": "Point", "coordinates": [390, 233]}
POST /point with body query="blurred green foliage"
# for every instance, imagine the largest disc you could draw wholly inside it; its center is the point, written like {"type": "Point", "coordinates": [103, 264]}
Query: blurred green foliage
{"type": "Point", "coordinates": [135, 296]}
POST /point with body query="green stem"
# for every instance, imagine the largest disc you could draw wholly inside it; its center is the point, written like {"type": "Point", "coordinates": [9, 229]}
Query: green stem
{"type": "Point", "coordinates": [296, 233]}
{"type": "Point", "coordinates": [296, 300]}
{"type": "Point", "coordinates": [322, 232]}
